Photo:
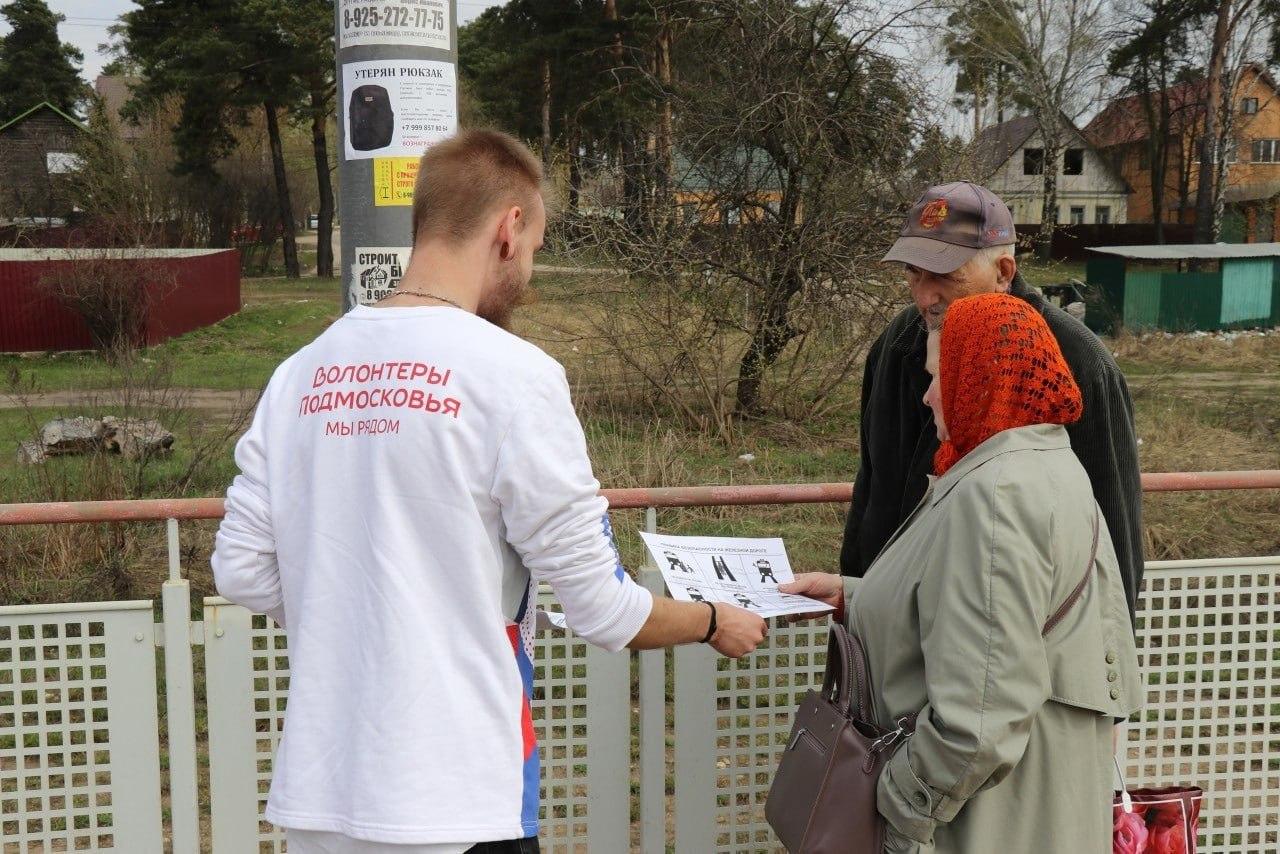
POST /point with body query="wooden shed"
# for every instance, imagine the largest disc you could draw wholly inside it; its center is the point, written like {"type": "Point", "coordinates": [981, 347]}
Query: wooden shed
{"type": "Point", "coordinates": [37, 157]}
{"type": "Point", "coordinates": [1151, 287]}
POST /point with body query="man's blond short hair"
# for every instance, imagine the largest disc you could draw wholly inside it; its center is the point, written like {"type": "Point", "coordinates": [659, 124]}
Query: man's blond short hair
{"type": "Point", "coordinates": [468, 177]}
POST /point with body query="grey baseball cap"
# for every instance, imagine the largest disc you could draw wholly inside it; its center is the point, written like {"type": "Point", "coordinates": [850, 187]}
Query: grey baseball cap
{"type": "Point", "coordinates": [949, 224]}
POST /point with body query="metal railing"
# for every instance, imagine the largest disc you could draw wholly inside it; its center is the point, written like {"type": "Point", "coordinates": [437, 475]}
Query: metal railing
{"type": "Point", "coordinates": [80, 759]}
{"type": "Point", "coordinates": [161, 509]}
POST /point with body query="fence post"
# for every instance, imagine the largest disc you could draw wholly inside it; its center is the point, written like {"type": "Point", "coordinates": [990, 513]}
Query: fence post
{"type": "Point", "coordinates": [180, 701]}
{"type": "Point", "coordinates": [653, 722]}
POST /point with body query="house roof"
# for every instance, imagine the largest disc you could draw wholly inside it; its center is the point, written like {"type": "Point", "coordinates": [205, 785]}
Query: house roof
{"type": "Point", "coordinates": [42, 105]}
{"type": "Point", "coordinates": [996, 144]}
{"type": "Point", "coordinates": [1124, 121]}
{"type": "Point", "coordinates": [1178, 252]}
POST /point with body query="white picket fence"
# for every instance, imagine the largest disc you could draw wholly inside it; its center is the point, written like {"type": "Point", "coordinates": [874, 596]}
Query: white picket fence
{"type": "Point", "coordinates": [81, 745]}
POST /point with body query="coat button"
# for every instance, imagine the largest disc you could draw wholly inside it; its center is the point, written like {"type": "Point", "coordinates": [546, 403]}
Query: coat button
{"type": "Point", "coordinates": [1111, 657]}
{"type": "Point", "coordinates": [1115, 693]}
{"type": "Point", "coordinates": [921, 799]}
{"type": "Point", "coordinates": [1112, 676]}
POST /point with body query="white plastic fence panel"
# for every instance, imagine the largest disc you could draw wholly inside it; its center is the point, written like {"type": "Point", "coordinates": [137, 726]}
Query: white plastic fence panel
{"type": "Point", "coordinates": [1209, 646]}
{"type": "Point", "coordinates": [246, 683]}
{"type": "Point", "coordinates": [79, 744]}
{"type": "Point", "coordinates": [582, 715]}
{"type": "Point", "coordinates": [581, 712]}
{"type": "Point", "coordinates": [732, 719]}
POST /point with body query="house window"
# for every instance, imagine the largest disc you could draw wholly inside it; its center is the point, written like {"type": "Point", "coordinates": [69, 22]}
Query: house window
{"type": "Point", "coordinates": [1266, 150]}
{"type": "Point", "coordinates": [1073, 161]}
{"type": "Point", "coordinates": [1077, 215]}
{"type": "Point", "coordinates": [1248, 106]}
{"type": "Point", "coordinates": [1102, 214]}
{"type": "Point", "coordinates": [61, 162]}
{"type": "Point", "coordinates": [1033, 161]}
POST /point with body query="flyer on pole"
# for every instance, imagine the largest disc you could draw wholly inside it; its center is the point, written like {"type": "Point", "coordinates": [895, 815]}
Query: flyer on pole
{"type": "Point", "coordinates": [398, 107]}
{"type": "Point", "coordinates": [741, 571]}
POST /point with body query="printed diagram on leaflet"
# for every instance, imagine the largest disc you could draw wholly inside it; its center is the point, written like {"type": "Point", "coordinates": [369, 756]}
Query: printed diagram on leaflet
{"type": "Point", "coordinates": [740, 571]}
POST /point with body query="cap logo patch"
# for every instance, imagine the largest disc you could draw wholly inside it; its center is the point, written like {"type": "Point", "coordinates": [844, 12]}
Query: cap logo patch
{"type": "Point", "coordinates": [933, 214]}
{"type": "Point", "coordinates": [998, 233]}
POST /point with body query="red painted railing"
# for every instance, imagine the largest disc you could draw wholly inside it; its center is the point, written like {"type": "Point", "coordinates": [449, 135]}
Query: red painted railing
{"type": "Point", "coordinates": [619, 499]}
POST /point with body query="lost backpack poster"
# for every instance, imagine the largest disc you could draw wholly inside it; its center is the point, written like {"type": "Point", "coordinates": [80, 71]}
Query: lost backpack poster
{"type": "Point", "coordinates": [398, 107]}
{"type": "Point", "coordinates": [739, 570]}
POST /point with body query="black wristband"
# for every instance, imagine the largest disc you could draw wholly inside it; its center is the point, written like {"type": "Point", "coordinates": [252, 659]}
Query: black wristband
{"type": "Point", "coordinates": [711, 630]}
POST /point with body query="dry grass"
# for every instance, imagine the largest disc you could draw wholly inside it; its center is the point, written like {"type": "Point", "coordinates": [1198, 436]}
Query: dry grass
{"type": "Point", "coordinates": [1244, 352]}
{"type": "Point", "coordinates": [1201, 405]}
{"type": "Point", "coordinates": [1209, 433]}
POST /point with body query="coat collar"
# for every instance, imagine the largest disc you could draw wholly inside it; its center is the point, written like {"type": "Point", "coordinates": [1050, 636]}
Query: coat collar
{"type": "Point", "coordinates": [1038, 437]}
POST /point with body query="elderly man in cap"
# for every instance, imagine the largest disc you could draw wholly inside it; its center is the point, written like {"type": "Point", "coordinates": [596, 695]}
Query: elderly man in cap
{"type": "Point", "coordinates": [958, 240]}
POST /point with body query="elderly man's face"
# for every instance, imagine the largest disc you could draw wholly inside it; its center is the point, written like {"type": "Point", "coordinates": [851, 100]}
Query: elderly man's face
{"type": "Point", "coordinates": [933, 292]}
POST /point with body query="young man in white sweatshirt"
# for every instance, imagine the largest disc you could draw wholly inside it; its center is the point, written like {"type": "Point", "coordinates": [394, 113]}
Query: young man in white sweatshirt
{"type": "Point", "coordinates": [408, 479]}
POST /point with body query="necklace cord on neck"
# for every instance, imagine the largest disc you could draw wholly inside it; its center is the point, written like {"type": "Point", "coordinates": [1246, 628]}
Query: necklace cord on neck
{"type": "Point", "coordinates": [423, 294]}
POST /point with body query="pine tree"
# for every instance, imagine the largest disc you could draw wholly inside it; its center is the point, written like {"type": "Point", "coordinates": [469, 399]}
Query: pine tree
{"type": "Point", "coordinates": [35, 65]}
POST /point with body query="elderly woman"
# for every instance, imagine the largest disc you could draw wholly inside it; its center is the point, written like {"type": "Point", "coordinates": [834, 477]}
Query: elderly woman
{"type": "Point", "coordinates": [988, 615]}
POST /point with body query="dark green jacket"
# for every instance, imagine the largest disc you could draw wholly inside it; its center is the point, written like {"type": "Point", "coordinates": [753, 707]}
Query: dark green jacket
{"type": "Point", "coordinates": [899, 440]}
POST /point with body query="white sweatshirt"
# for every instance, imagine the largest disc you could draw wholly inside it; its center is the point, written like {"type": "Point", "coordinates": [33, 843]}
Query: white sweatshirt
{"type": "Point", "coordinates": [408, 477]}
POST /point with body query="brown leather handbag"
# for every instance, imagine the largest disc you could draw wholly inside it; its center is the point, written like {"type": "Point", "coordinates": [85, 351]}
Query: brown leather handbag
{"type": "Point", "coordinates": [823, 798]}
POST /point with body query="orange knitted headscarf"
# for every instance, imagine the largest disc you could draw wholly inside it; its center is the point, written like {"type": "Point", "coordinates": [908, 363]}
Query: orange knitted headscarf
{"type": "Point", "coordinates": [999, 367]}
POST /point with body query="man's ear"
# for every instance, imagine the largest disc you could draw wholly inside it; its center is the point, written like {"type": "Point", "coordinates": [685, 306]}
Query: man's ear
{"type": "Point", "coordinates": [1006, 269]}
{"type": "Point", "coordinates": [511, 224]}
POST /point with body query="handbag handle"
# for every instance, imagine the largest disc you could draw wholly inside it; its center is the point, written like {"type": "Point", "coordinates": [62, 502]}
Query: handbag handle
{"type": "Point", "coordinates": [846, 673]}
{"type": "Point", "coordinates": [1071, 600]}
{"type": "Point", "coordinates": [838, 678]}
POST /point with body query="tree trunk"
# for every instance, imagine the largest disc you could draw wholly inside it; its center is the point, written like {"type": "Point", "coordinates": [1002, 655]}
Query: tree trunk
{"type": "Point", "coordinates": [1209, 135]}
{"type": "Point", "coordinates": [999, 93]}
{"type": "Point", "coordinates": [665, 142]}
{"type": "Point", "coordinates": [772, 332]}
{"type": "Point", "coordinates": [324, 181]}
{"type": "Point", "coordinates": [546, 114]}
{"type": "Point", "coordinates": [575, 172]}
{"type": "Point", "coordinates": [282, 194]}
{"type": "Point", "coordinates": [629, 161]}
{"type": "Point", "coordinates": [1048, 219]}
{"type": "Point", "coordinates": [979, 98]}
{"type": "Point", "coordinates": [1155, 106]}
{"type": "Point", "coordinates": [773, 329]}
{"type": "Point", "coordinates": [1222, 144]}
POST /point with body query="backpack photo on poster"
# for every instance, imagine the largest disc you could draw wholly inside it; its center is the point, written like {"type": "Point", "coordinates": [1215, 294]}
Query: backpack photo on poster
{"type": "Point", "coordinates": [370, 117]}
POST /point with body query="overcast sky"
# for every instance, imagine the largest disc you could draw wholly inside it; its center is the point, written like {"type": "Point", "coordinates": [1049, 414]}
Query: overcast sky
{"type": "Point", "coordinates": [87, 21]}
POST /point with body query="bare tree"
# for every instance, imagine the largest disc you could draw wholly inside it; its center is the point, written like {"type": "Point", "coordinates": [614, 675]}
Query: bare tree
{"type": "Point", "coordinates": [1151, 52]}
{"type": "Point", "coordinates": [756, 287]}
{"type": "Point", "coordinates": [1055, 52]}
{"type": "Point", "coordinates": [1237, 44]}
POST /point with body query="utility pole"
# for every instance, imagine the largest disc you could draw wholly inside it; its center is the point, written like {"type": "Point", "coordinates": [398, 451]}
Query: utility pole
{"type": "Point", "coordinates": [397, 75]}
